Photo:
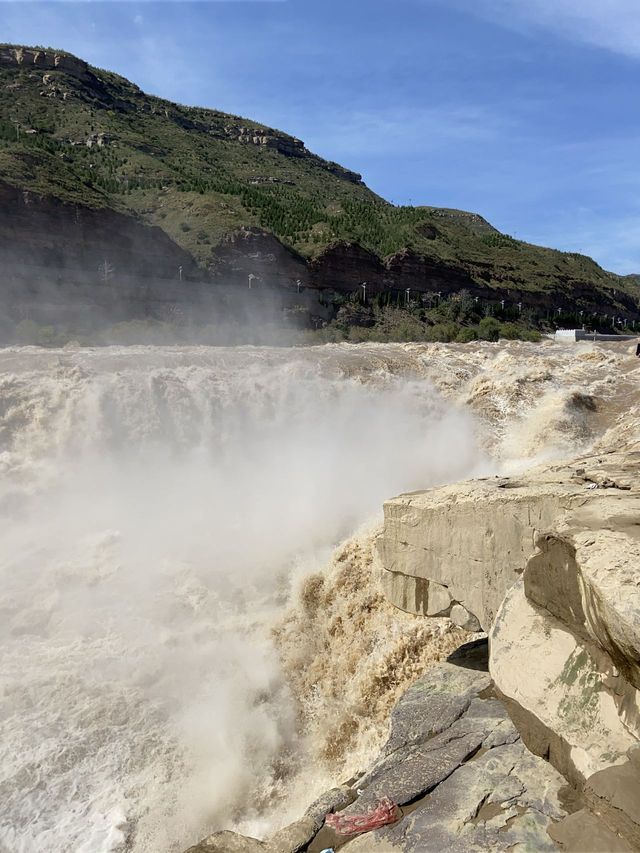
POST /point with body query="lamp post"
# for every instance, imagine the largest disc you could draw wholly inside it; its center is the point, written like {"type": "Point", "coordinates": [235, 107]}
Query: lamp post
{"type": "Point", "coordinates": [408, 292]}
{"type": "Point", "coordinates": [364, 292]}
{"type": "Point", "coordinates": [180, 273]}
{"type": "Point", "coordinates": [106, 271]}
{"type": "Point", "coordinates": [251, 278]}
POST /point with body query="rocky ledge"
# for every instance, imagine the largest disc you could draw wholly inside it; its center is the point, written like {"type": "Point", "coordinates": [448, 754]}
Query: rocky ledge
{"type": "Point", "coordinates": [44, 59]}
{"type": "Point", "coordinates": [455, 765]}
{"type": "Point", "coordinates": [549, 565]}
{"type": "Point", "coordinates": [534, 746]}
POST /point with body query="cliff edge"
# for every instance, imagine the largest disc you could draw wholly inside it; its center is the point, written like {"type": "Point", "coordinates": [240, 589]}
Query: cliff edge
{"type": "Point", "coordinates": [531, 742]}
{"type": "Point", "coordinates": [548, 564]}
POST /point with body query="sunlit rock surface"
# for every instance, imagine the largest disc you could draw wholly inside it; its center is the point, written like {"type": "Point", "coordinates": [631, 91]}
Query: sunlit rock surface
{"type": "Point", "coordinates": [447, 540]}
{"type": "Point", "coordinates": [565, 650]}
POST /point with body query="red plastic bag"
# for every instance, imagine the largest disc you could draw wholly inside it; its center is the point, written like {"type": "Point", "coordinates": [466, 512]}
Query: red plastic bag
{"type": "Point", "coordinates": [384, 813]}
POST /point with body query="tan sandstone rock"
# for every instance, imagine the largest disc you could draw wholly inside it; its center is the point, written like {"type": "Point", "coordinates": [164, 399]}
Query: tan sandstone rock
{"type": "Point", "coordinates": [549, 563]}
{"type": "Point", "coordinates": [565, 655]}
{"type": "Point", "coordinates": [470, 541]}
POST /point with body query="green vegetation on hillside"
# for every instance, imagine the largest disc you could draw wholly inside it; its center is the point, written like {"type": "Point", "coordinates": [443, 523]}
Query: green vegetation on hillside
{"type": "Point", "coordinates": [98, 140]}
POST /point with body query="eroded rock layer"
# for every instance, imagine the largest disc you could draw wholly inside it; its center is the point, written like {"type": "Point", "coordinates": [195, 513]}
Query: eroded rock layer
{"type": "Point", "coordinates": [549, 563]}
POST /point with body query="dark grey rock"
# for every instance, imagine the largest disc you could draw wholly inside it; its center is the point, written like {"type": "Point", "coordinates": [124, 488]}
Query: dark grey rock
{"type": "Point", "coordinates": [433, 704]}
{"type": "Point", "coordinates": [333, 800]}
{"type": "Point", "coordinates": [410, 772]}
{"type": "Point", "coordinates": [228, 842]}
{"type": "Point", "coordinates": [499, 800]}
{"type": "Point", "coordinates": [294, 837]}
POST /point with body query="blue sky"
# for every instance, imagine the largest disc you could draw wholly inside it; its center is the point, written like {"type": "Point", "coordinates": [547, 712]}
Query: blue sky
{"type": "Point", "coordinates": [525, 111]}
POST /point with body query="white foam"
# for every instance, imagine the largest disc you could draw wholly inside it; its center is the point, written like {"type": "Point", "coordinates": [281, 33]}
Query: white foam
{"type": "Point", "coordinates": [154, 503]}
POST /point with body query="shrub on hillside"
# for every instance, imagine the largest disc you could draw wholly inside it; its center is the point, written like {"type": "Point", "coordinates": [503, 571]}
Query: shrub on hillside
{"type": "Point", "coordinates": [488, 329]}
{"type": "Point", "coordinates": [466, 335]}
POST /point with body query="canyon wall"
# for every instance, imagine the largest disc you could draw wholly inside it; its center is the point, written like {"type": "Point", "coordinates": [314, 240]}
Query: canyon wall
{"type": "Point", "coordinates": [70, 263]}
{"type": "Point", "coordinates": [45, 240]}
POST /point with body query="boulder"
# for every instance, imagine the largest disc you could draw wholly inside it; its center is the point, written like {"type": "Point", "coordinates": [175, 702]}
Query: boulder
{"type": "Point", "coordinates": [565, 655]}
{"type": "Point", "coordinates": [469, 542]}
{"type": "Point", "coordinates": [331, 801]}
{"type": "Point", "coordinates": [461, 617]}
{"type": "Point", "coordinates": [294, 837]}
{"type": "Point", "coordinates": [228, 842]}
{"type": "Point", "coordinates": [561, 694]}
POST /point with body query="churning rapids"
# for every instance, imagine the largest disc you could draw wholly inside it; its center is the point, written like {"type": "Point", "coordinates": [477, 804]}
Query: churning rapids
{"type": "Point", "coordinates": [162, 511]}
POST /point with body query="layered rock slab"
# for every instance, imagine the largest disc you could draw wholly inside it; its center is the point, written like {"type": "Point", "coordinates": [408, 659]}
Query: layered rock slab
{"type": "Point", "coordinates": [456, 766]}
{"type": "Point", "coordinates": [498, 797]}
{"type": "Point", "coordinates": [464, 544]}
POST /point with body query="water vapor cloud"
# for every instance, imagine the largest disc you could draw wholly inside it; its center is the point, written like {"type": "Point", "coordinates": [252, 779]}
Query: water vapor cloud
{"type": "Point", "coordinates": [610, 24]}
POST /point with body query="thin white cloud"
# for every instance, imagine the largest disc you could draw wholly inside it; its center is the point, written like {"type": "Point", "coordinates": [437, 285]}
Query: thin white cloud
{"type": "Point", "coordinates": [610, 24]}
{"type": "Point", "coordinates": [403, 131]}
{"type": "Point", "coordinates": [612, 240]}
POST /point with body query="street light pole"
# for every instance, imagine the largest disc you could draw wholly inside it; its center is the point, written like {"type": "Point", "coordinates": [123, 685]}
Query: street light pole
{"type": "Point", "coordinates": [364, 292]}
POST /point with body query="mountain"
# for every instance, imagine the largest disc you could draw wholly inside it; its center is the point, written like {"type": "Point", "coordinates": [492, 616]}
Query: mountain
{"type": "Point", "coordinates": [98, 178]}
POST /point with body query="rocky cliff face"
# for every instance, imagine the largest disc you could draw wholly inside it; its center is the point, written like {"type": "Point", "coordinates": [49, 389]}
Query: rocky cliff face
{"type": "Point", "coordinates": [46, 60]}
{"type": "Point", "coordinates": [44, 239]}
{"type": "Point", "coordinates": [548, 564]}
{"type": "Point", "coordinates": [41, 236]}
{"type": "Point", "coordinates": [253, 251]}
{"type": "Point", "coordinates": [70, 263]}
{"type": "Point", "coordinates": [203, 176]}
